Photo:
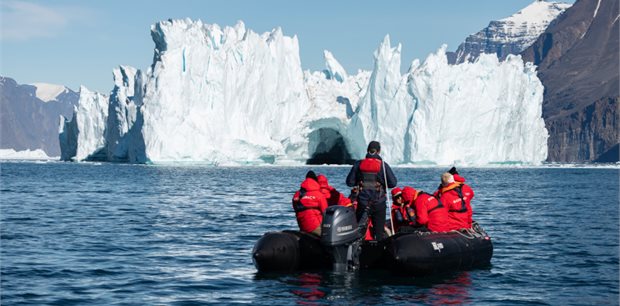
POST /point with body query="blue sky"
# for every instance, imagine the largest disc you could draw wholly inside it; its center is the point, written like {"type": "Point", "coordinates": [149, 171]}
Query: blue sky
{"type": "Point", "coordinates": [79, 42]}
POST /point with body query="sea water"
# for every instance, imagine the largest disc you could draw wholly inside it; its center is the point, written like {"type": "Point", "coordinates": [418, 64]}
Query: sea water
{"type": "Point", "coordinates": [113, 234]}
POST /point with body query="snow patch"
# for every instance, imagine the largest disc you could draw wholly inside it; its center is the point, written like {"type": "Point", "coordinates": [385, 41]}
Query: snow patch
{"type": "Point", "coordinates": [11, 154]}
{"type": "Point", "coordinates": [598, 4]}
{"type": "Point", "coordinates": [538, 12]}
{"type": "Point", "coordinates": [49, 92]}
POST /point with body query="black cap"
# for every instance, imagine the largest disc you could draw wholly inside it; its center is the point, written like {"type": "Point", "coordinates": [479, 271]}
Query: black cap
{"type": "Point", "coordinates": [311, 175]}
{"type": "Point", "coordinates": [374, 145]}
{"type": "Point", "coordinates": [453, 171]}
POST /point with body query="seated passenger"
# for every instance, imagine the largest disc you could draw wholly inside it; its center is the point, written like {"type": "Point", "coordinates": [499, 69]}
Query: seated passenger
{"type": "Point", "coordinates": [333, 196]}
{"type": "Point", "coordinates": [408, 197]}
{"type": "Point", "coordinates": [399, 211]}
{"type": "Point", "coordinates": [430, 214]}
{"type": "Point", "coordinates": [456, 196]}
{"type": "Point", "coordinates": [457, 178]}
{"type": "Point", "coordinates": [309, 204]}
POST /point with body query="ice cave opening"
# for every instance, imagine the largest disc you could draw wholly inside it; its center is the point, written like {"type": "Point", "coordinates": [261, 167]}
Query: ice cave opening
{"type": "Point", "coordinates": [326, 146]}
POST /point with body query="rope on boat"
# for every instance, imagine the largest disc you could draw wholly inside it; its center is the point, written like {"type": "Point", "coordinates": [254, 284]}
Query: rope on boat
{"type": "Point", "coordinates": [467, 233]}
{"type": "Point", "coordinates": [470, 233]}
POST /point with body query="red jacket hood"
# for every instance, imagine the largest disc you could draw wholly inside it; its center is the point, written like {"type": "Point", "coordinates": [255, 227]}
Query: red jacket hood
{"type": "Point", "coordinates": [409, 194]}
{"type": "Point", "coordinates": [322, 179]}
{"type": "Point", "coordinates": [310, 185]}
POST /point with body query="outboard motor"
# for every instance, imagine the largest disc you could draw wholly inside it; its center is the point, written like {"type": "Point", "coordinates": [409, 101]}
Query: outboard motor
{"type": "Point", "coordinates": [340, 235]}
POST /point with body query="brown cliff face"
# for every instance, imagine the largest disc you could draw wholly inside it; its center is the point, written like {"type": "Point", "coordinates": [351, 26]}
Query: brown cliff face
{"type": "Point", "coordinates": [585, 135]}
{"type": "Point", "coordinates": [578, 59]}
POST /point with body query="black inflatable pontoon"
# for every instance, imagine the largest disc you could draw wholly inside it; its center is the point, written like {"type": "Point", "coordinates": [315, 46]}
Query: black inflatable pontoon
{"type": "Point", "coordinates": [341, 247]}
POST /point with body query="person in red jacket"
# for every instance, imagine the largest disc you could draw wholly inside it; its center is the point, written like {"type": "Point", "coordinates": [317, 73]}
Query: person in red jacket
{"type": "Point", "coordinates": [399, 210]}
{"type": "Point", "coordinates": [309, 204]}
{"type": "Point", "coordinates": [430, 213]}
{"type": "Point", "coordinates": [456, 196]}
{"type": "Point", "coordinates": [333, 196]}
{"type": "Point", "coordinates": [409, 211]}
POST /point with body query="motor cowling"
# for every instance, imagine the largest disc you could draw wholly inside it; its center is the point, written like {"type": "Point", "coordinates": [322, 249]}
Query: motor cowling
{"type": "Point", "coordinates": [340, 236]}
{"type": "Point", "coordinates": [339, 226]}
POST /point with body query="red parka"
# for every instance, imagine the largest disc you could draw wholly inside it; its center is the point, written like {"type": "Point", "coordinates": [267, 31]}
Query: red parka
{"type": "Point", "coordinates": [431, 213]}
{"type": "Point", "coordinates": [457, 198]}
{"type": "Point", "coordinates": [309, 207]}
{"type": "Point", "coordinates": [333, 196]}
{"type": "Point", "coordinates": [400, 216]}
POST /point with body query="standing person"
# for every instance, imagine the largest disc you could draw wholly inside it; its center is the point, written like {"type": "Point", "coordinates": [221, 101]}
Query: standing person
{"type": "Point", "coordinates": [456, 196]}
{"type": "Point", "coordinates": [370, 175]}
{"type": "Point", "coordinates": [309, 204]}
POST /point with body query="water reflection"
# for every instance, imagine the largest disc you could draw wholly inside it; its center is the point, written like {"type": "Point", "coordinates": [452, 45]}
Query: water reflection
{"type": "Point", "coordinates": [309, 289]}
{"type": "Point", "coordinates": [450, 290]}
{"type": "Point", "coordinates": [371, 286]}
{"type": "Point", "coordinates": [453, 292]}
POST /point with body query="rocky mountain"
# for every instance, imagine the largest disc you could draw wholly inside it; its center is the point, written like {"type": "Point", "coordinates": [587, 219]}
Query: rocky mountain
{"type": "Point", "coordinates": [579, 65]}
{"type": "Point", "coordinates": [510, 35]}
{"type": "Point", "coordinates": [29, 115]}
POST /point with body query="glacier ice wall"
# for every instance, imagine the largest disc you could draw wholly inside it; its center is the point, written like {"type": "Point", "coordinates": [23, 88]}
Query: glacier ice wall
{"type": "Point", "coordinates": [477, 113]}
{"type": "Point", "coordinates": [333, 103]}
{"type": "Point", "coordinates": [232, 96]}
{"type": "Point", "coordinates": [473, 113]}
{"type": "Point", "coordinates": [83, 135]}
{"type": "Point", "coordinates": [221, 95]}
{"type": "Point", "coordinates": [385, 108]}
{"type": "Point", "coordinates": [123, 134]}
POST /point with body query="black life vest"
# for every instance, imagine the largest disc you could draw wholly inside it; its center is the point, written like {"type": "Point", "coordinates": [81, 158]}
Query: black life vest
{"type": "Point", "coordinates": [463, 205]}
{"type": "Point", "coordinates": [439, 205]}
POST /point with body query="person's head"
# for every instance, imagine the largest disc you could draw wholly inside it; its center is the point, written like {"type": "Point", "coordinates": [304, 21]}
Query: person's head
{"type": "Point", "coordinates": [374, 147]}
{"type": "Point", "coordinates": [311, 175]}
{"type": "Point", "coordinates": [322, 179]}
{"type": "Point", "coordinates": [409, 194]}
{"type": "Point", "coordinates": [447, 179]}
{"type": "Point", "coordinates": [397, 195]}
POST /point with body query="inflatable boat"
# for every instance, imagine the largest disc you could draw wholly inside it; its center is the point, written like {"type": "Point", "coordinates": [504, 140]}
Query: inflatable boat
{"type": "Point", "coordinates": [341, 247]}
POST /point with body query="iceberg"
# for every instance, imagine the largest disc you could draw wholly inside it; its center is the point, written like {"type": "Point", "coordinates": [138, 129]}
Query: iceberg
{"type": "Point", "coordinates": [232, 96]}
{"type": "Point", "coordinates": [384, 110]}
{"type": "Point", "coordinates": [82, 136]}
{"type": "Point", "coordinates": [477, 113]}
{"type": "Point", "coordinates": [221, 95]}
{"type": "Point", "coordinates": [123, 132]}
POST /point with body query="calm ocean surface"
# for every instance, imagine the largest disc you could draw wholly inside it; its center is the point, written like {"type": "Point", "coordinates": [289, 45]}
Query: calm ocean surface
{"type": "Point", "coordinates": [109, 234]}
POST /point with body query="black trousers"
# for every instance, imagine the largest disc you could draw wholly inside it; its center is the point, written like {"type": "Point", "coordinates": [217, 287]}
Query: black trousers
{"type": "Point", "coordinates": [375, 211]}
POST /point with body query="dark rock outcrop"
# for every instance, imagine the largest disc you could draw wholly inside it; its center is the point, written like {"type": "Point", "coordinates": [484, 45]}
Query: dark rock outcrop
{"type": "Point", "coordinates": [579, 64]}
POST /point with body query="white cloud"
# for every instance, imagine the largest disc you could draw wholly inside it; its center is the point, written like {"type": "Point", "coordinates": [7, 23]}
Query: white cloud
{"type": "Point", "coordinates": [22, 20]}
